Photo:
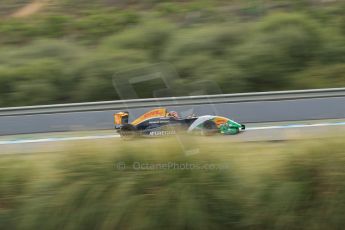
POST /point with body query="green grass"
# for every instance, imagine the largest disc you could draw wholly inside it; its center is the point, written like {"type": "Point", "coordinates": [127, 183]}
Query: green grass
{"type": "Point", "coordinates": [71, 50]}
{"type": "Point", "coordinates": [290, 185]}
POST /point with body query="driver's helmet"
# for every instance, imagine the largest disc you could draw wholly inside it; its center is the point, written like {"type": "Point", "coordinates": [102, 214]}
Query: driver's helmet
{"type": "Point", "coordinates": [173, 114]}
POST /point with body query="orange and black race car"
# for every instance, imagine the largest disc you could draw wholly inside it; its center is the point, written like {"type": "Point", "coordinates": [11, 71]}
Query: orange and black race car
{"type": "Point", "coordinates": [160, 122]}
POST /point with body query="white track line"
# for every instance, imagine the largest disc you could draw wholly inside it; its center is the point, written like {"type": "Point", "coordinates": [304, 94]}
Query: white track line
{"type": "Point", "coordinates": [60, 139]}
{"type": "Point", "coordinates": [56, 139]}
{"type": "Point", "coordinates": [297, 126]}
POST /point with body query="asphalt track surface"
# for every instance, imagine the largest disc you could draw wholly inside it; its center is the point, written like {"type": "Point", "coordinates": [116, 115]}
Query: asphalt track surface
{"type": "Point", "coordinates": [242, 111]}
{"type": "Point", "coordinates": [267, 132]}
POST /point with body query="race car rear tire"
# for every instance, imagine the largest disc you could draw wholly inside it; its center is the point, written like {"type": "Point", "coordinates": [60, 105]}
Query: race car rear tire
{"type": "Point", "coordinates": [210, 128]}
{"type": "Point", "coordinates": [128, 131]}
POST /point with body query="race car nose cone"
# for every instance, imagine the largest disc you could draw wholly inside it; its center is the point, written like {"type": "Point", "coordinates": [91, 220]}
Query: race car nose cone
{"type": "Point", "coordinates": [243, 127]}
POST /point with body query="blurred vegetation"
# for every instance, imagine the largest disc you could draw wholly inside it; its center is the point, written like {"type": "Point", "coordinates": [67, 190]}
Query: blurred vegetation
{"type": "Point", "coordinates": [292, 185]}
{"type": "Point", "coordinates": [69, 51]}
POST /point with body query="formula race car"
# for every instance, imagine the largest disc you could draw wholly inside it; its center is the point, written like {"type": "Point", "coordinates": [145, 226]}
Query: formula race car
{"type": "Point", "coordinates": [159, 122]}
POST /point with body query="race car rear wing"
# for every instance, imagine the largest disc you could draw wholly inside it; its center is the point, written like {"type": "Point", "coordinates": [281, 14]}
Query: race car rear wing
{"type": "Point", "coordinates": [120, 119]}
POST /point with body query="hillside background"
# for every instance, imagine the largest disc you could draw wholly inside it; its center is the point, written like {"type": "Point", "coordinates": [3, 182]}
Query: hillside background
{"type": "Point", "coordinates": [68, 50]}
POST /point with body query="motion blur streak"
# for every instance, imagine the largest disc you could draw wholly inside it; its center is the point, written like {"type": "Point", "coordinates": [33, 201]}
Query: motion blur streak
{"type": "Point", "coordinates": [93, 137]}
{"type": "Point", "coordinates": [227, 185]}
{"type": "Point", "coordinates": [67, 66]}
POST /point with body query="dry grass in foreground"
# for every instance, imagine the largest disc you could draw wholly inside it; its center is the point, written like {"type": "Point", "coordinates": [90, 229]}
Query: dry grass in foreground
{"type": "Point", "coordinates": [154, 184]}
